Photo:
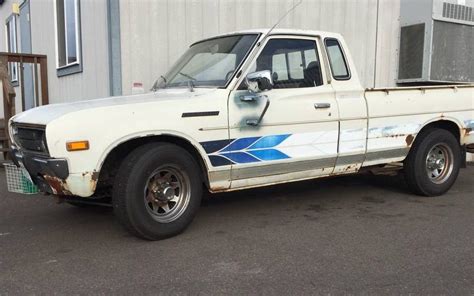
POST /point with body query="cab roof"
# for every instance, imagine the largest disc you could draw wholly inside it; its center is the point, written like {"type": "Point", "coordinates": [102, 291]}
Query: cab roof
{"type": "Point", "coordinates": [264, 31]}
{"type": "Point", "coordinates": [284, 31]}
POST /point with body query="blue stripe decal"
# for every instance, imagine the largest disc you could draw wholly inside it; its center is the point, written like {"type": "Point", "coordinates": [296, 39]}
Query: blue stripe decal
{"type": "Point", "coordinates": [217, 160]}
{"type": "Point", "coordinates": [268, 154]}
{"type": "Point", "coordinates": [240, 144]}
{"type": "Point", "coordinates": [245, 150]}
{"type": "Point", "coordinates": [214, 146]}
{"type": "Point", "coordinates": [240, 157]}
{"type": "Point", "coordinates": [269, 141]}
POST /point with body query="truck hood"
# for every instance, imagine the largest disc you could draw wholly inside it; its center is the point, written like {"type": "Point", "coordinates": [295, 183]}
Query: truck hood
{"type": "Point", "coordinates": [45, 114]}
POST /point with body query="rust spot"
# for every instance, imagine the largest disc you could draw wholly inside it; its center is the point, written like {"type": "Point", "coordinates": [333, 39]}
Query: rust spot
{"type": "Point", "coordinates": [409, 140]}
{"type": "Point", "coordinates": [95, 175]}
{"type": "Point", "coordinates": [350, 167]}
{"type": "Point", "coordinates": [58, 186]}
{"type": "Point", "coordinates": [219, 188]}
{"type": "Point", "coordinates": [468, 130]}
{"type": "Point", "coordinates": [93, 181]}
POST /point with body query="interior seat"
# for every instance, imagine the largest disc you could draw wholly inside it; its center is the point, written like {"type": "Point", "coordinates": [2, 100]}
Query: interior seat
{"type": "Point", "coordinates": [312, 75]}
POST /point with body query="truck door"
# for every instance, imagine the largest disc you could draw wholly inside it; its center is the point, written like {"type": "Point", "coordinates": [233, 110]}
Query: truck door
{"type": "Point", "coordinates": [297, 136]}
{"type": "Point", "coordinates": [352, 108]}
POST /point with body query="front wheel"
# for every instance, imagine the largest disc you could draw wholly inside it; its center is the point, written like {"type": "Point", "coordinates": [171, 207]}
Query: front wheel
{"type": "Point", "coordinates": [157, 191]}
{"type": "Point", "coordinates": [433, 165]}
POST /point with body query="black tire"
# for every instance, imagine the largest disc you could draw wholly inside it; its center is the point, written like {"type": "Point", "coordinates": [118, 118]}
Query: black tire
{"type": "Point", "coordinates": [417, 167]}
{"type": "Point", "coordinates": [131, 190]}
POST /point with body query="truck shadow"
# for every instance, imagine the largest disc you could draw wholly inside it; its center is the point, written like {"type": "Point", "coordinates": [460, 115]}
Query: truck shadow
{"type": "Point", "coordinates": [253, 208]}
{"type": "Point", "coordinates": [341, 187]}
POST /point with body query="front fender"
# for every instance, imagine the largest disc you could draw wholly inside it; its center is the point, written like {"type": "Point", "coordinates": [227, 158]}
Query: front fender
{"type": "Point", "coordinates": [143, 134]}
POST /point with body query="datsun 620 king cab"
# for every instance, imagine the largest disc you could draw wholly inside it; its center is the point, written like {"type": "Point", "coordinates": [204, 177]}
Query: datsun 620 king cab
{"type": "Point", "coordinates": [242, 110]}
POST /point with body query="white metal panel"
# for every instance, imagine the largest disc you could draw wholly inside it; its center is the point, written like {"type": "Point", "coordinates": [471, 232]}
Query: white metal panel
{"type": "Point", "coordinates": [190, 20]}
{"type": "Point", "coordinates": [388, 42]}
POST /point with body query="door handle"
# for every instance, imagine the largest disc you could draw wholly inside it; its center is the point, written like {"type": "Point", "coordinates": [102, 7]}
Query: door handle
{"type": "Point", "coordinates": [322, 105]}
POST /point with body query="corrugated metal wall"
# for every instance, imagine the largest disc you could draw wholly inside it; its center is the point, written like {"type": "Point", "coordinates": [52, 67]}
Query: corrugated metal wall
{"type": "Point", "coordinates": [93, 82]}
{"type": "Point", "coordinates": [155, 33]}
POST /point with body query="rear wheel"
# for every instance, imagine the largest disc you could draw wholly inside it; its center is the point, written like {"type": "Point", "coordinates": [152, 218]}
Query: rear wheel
{"type": "Point", "coordinates": [157, 191]}
{"type": "Point", "coordinates": [433, 165]}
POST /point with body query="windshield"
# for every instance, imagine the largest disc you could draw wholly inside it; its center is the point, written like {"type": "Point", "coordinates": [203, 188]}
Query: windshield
{"type": "Point", "coordinates": [210, 63]}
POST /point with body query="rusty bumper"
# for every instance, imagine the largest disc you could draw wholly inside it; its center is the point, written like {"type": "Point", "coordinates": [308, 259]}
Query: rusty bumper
{"type": "Point", "coordinates": [49, 174]}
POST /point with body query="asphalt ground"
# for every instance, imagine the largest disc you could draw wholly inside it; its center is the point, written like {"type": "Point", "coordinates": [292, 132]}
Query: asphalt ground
{"type": "Point", "coordinates": [348, 235]}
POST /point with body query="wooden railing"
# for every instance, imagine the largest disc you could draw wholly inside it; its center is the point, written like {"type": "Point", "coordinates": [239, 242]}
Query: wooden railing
{"type": "Point", "coordinates": [40, 86]}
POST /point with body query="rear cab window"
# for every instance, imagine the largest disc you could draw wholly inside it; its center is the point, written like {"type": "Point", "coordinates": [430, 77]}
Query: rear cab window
{"type": "Point", "coordinates": [337, 59]}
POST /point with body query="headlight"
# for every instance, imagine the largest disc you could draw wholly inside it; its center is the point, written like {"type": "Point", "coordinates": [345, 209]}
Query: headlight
{"type": "Point", "coordinates": [12, 130]}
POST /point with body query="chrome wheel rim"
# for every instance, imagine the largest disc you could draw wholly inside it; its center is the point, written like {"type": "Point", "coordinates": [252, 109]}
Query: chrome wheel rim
{"type": "Point", "coordinates": [439, 163]}
{"type": "Point", "coordinates": [167, 194]}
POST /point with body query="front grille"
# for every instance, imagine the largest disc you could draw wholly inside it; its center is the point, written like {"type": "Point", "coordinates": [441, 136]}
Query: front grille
{"type": "Point", "coordinates": [32, 139]}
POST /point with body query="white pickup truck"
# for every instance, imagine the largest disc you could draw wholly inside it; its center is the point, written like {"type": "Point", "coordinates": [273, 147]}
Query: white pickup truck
{"type": "Point", "coordinates": [242, 110]}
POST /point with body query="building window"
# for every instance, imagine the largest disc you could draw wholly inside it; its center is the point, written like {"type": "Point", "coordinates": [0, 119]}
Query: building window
{"type": "Point", "coordinates": [68, 30]}
{"type": "Point", "coordinates": [12, 46]}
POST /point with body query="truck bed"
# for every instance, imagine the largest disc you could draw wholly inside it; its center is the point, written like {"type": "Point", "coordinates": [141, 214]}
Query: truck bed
{"type": "Point", "coordinates": [397, 114]}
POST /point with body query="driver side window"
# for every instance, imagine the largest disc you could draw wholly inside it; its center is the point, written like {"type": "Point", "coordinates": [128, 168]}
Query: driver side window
{"type": "Point", "coordinates": [293, 63]}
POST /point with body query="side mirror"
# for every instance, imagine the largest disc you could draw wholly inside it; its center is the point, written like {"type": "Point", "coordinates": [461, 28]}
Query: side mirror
{"type": "Point", "coordinates": [259, 81]}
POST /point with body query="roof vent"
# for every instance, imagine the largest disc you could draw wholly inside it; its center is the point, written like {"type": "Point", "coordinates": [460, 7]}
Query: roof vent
{"type": "Point", "coordinates": [458, 12]}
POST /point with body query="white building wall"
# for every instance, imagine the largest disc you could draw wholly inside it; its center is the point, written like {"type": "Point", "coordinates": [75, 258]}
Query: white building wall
{"type": "Point", "coordinates": [93, 82]}
{"type": "Point", "coordinates": [155, 33]}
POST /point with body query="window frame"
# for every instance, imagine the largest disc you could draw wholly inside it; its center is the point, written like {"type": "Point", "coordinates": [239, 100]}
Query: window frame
{"type": "Point", "coordinates": [240, 85]}
{"type": "Point", "coordinates": [344, 57]}
{"type": "Point", "coordinates": [77, 66]}
{"type": "Point", "coordinates": [11, 20]}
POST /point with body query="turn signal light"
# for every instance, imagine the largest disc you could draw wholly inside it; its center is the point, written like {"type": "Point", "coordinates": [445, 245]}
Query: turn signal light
{"type": "Point", "coordinates": [77, 146]}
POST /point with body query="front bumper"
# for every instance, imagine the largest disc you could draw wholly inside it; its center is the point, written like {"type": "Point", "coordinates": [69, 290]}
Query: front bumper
{"type": "Point", "coordinates": [49, 174]}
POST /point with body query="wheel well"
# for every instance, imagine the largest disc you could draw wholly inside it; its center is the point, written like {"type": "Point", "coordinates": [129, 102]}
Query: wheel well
{"type": "Point", "coordinates": [446, 125]}
{"type": "Point", "coordinates": [115, 157]}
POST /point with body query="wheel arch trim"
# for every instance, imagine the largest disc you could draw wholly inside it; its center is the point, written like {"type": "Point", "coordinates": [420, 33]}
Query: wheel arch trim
{"type": "Point", "coordinates": [156, 134]}
{"type": "Point", "coordinates": [441, 120]}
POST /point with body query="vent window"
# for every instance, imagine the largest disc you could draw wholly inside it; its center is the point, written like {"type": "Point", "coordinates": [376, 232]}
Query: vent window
{"type": "Point", "coordinates": [458, 12]}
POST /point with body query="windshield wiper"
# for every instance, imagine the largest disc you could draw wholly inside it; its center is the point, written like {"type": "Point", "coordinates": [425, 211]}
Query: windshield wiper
{"type": "Point", "coordinates": [187, 76]}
